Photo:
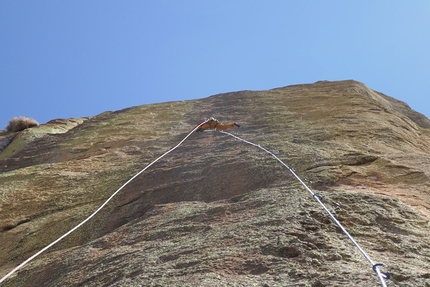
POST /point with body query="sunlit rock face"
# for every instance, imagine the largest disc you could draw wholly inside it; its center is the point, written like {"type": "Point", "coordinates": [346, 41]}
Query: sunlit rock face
{"type": "Point", "coordinates": [217, 211]}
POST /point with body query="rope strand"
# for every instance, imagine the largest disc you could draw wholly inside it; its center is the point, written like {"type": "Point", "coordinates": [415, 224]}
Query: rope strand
{"type": "Point", "coordinates": [382, 276]}
{"type": "Point", "coordinates": [103, 205]}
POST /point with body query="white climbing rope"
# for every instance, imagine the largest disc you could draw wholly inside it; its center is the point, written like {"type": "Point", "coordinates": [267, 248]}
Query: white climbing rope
{"type": "Point", "coordinates": [95, 212]}
{"type": "Point", "coordinates": [382, 276]}
{"type": "Point", "coordinates": [375, 266]}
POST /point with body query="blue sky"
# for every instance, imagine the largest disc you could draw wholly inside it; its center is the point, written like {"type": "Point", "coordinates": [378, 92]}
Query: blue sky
{"type": "Point", "coordinates": [62, 59]}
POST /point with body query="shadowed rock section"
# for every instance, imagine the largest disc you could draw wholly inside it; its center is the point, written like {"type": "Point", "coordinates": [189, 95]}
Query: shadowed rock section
{"type": "Point", "coordinates": [5, 141]}
{"type": "Point", "coordinates": [218, 212]}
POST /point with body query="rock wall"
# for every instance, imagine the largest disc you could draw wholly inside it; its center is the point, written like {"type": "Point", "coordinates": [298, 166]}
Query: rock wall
{"type": "Point", "coordinates": [218, 212]}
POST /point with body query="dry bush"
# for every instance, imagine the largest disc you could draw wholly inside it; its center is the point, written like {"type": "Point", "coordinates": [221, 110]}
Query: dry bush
{"type": "Point", "coordinates": [20, 123]}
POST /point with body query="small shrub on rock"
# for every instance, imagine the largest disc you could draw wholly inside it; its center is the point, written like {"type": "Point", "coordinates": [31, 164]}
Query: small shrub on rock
{"type": "Point", "coordinates": [21, 123]}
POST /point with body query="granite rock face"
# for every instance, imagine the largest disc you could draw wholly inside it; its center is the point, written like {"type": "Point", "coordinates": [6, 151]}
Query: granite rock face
{"type": "Point", "coordinates": [216, 211]}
